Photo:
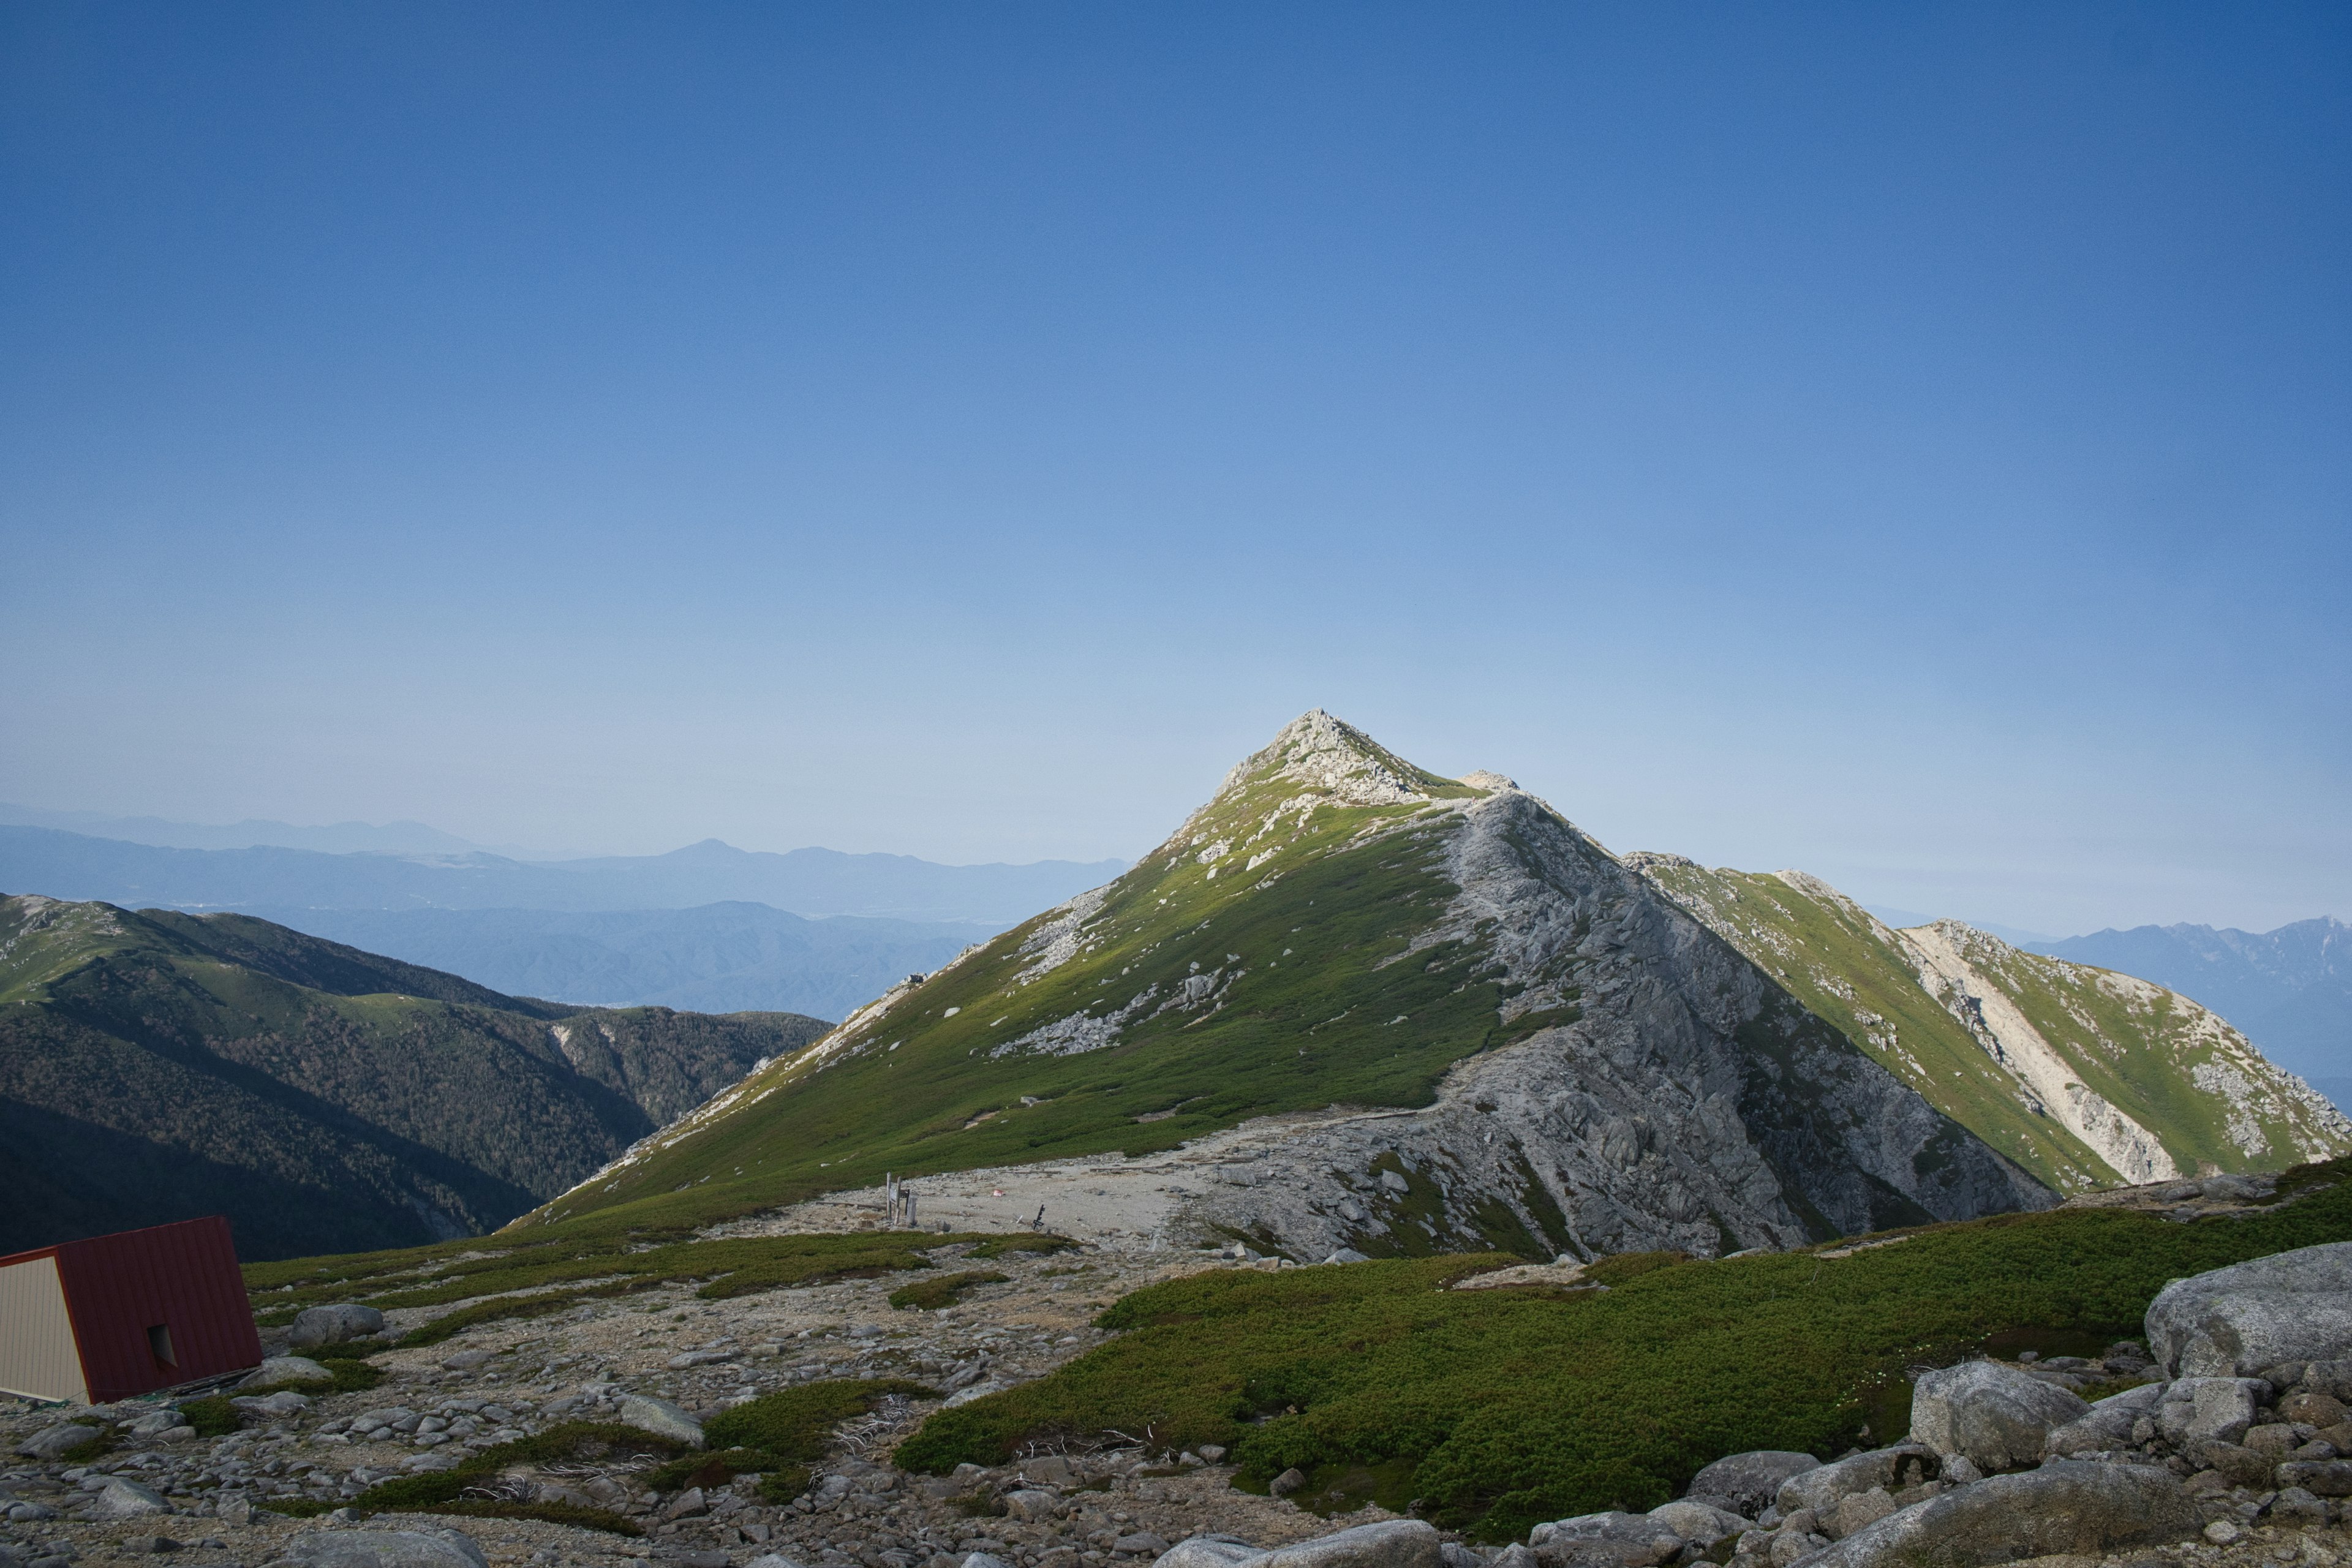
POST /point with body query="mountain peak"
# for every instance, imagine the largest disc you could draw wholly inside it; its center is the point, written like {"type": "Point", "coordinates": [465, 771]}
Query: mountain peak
{"type": "Point", "coordinates": [1317, 751]}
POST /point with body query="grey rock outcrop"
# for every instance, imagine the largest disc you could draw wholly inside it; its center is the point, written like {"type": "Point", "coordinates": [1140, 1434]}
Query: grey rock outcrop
{"type": "Point", "coordinates": [2107, 1425]}
{"type": "Point", "coordinates": [660, 1417]}
{"type": "Point", "coordinates": [1209, 1552]}
{"type": "Point", "coordinates": [124, 1498]}
{"type": "Point", "coordinates": [1998, 1416]}
{"type": "Point", "coordinates": [386, 1549]}
{"type": "Point", "coordinates": [2209, 1409]}
{"type": "Point", "coordinates": [1700, 1521]}
{"type": "Point", "coordinates": [286, 1369]}
{"type": "Point", "coordinates": [2064, 1507]}
{"type": "Point", "coordinates": [1746, 1483]}
{"type": "Point", "coordinates": [54, 1442]}
{"type": "Point", "coordinates": [2240, 1321]}
{"type": "Point", "coordinates": [335, 1325]}
{"type": "Point", "coordinates": [1689, 1096]}
{"type": "Point", "coordinates": [1392, 1543]}
{"type": "Point", "coordinates": [1881, 1470]}
{"type": "Point", "coordinates": [1612, 1540]}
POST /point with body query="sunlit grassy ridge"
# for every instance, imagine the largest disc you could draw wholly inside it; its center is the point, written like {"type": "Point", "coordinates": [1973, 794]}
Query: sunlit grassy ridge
{"type": "Point", "coordinates": [1499, 1408]}
{"type": "Point", "coordinates": [1303, 1007]}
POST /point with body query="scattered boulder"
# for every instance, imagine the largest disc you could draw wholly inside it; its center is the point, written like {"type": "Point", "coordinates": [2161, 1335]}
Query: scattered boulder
{"type": "Point", "coordinates": [1998, 1416]}
{"type": "Point", "coordinates": [1289, 1481]}
{"type": "Point", "coordinates": [466, 1361]}
{"type": "Point", "coordinates": [773, 1560]}
{"type": "Point", "coordinates": [386, 1549]}
{"type": "Point", "coordinates": [1032, 1506]}
{"type": "Point", "coordinates": [2330, 1377]}
{"type": "Point", "coordinates": [1210, 1551]}
{"type": "Point", "coordinates": [2064, 1507]}
{"type": "Point", "coordinates": [1605, 1541]}
{"type": "Point", "coordinates": [316, 1326]}
{"type": "Point", "coordinates": [1392, 1543]}
{"type": "Point", "coordinates": [2107, 1425]}
{"type": "Point", "coordinates": [286, 1369]}
{"type": "Point", "coordinates": [1746, 1483]}
{"type": "Point", "coordinates": [662, 1418]}
{"type": "Point", "coordinates": [2325, 1478]}
{"type": "Point", "coordinates": [1700, 1521]}
{"type": "Point", "coordinates": [1856, 1511]}
{"type": "Point", "coordinates": [56, 1442]}
{"type": "Point", "coordinates": [1141, 1544]}
{"type": "Point", "coordinates": [2236, 1321]}
{"type": "Point", "coordinates": [121, 1499]}
{"type": "Point", "coordinates": [1346, 1255]}
{"type": "Point", "coordinates": [2209, 1409]}
{"type": "Point", "coordinates": [1888, 1470]}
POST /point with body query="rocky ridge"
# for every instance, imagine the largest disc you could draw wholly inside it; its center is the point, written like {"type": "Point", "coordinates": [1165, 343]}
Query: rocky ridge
{"type": "Point", "coordinates": [2086, 1077]}
{"type": "Point", "coordinates": [1526, 1043]}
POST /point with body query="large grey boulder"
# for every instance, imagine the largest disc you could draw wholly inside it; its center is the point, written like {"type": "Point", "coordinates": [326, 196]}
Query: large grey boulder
{"type": "Point", "coordinates": [1210, 1551]}
{"type": "Point", "coordinates": [122, 1499]}
{"type": "Point", "coordinates": [1611, 1539]}
{"type": "Point", "coordinates": [316, 1326]}
{"type": "Point", "coordinates": [1699, 1522]}
{"type": "Point", "coordinates": [2327, 1477]}
{"type": "Point", "coordinates": [1887, 1470]}
{"type": "Point", "coordinates": [1997, 1415]}
{"type": "Point", "coordinates": [286, 1369]}
{"type": "Point", "coordinates": [662, 1418]}
{"type": "Point", "coordinates": [1746, 1483]}
{"type": "Point", "coordinates": [2108, 1423]}
{"type": "Point", "coordinates": [386, 1549]}
{"type": "Point", "coordinates": [2064, 1507]}
{"type": "Point", "coordinates": [2209, 1409]}
{"type": "Point", "coordinates": [1392, 1543]}
{"type": "Point", "coordinates": [2236, 1321]}
{"type": "Point", "coordinates": [55, 1442]}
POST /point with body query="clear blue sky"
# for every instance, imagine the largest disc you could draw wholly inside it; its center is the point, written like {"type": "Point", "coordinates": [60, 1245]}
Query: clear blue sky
{"type": "Point", "coordinates": [1907, 442]}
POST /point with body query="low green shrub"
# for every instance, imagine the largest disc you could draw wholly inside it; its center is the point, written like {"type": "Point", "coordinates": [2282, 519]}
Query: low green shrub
{"type": "Point", "coordinates": [212, 1418]}
{"type": "Point", "coordinates": [931, 1295]}
{"type": "Point", "coordinates": [464, 1489]}
{"type": "Point", "coordinates": [1022, 1241]}
{"type": "Point", "coordinates": [1510, 1407]}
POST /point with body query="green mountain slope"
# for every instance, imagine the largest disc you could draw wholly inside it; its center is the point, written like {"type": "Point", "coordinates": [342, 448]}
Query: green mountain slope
{"type": "Point", "coordinates": [159, 1065]}
{"type": "Point", "coordinates": [1339, 929]}
{"type": "Point", "coordinates": [2084, 1077]}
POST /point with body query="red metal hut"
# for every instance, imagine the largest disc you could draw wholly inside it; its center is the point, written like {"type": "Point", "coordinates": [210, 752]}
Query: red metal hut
{"type": "Point", "coordinates": [113, 1315]}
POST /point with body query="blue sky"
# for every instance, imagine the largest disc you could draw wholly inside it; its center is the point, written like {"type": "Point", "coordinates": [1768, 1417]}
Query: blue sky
{"type": "Point", "coordinates": [1903, 442]}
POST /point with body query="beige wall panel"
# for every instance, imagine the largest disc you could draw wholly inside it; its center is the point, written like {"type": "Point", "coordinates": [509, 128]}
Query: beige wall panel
{"type": "Point", "coordinates": [38, 1358]}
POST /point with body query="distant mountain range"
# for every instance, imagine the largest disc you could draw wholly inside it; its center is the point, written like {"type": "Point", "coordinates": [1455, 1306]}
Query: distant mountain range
{"type": "Point", "coordinates": [719, 958]}
{"type": "Point", "coordinates": [157, 1065]}
{"type": "Point", "coordinates": [805, 881]}
{"type": "Point", "coordinates": [337, 838]}
{"type": "Point", "coordinates": [2290, 989]}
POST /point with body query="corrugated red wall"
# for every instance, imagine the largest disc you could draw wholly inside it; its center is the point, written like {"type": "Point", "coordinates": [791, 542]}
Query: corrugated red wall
{"type": "Point", "coordinates": [182, 1276]}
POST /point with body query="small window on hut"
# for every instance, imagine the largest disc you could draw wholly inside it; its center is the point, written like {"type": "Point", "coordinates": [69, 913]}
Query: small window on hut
{"type": "Point", "coordinates": [159, 1340]}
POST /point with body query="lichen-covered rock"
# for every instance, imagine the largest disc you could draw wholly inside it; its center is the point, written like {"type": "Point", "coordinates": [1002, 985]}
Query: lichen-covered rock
{"type": "Point", "coordinates": [55, 1442]}
{"type": "Point", "coordinates": [2064, 1507]}
{"type": "Point", "coordinates": [2239, 1320]}
{"type": "Point", "coordinates": [1997, 1415]}
{"type": "Point", "coordinates": [316, 1326]}
{"type": "Point", "coordinates": [1612, 1539]}
{"type": "Point", "coordinates": [662, 1418]}
{"type": "Point", "coordinates": [2207, 1409]}
{"type": "Point", "coordinates": [121, 1497]}
{"type": "Point", "coordinates": [386, 1549]}
{"type": "Point", "coordinates": [1746, 1483]}
{"type": "Point", "coordinates": [1699, 1522]}
{"type": "Point", "coordinates": [1392, 1543]}
{"type": "Point", "coordinates": [1817, 1490]}
{"type": "Point", "coordinates": [286, 1369]}
{"type": "Point", "coordinates": [2107, 1425]}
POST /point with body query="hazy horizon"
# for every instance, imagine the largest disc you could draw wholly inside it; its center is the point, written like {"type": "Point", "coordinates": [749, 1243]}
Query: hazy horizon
{"type": "Point", "coordinates": [1904, 444]}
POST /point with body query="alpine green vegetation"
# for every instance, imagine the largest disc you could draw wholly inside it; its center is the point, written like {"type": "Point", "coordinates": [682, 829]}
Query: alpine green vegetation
{"type": "Point", "coordinates": [548, 1276]}
{"type": "Point", "coordinates": [1247, 966]}
{"type": "Point", "coordinates": [2193, 1082]}
{"type": "Point", "coordinates": [1494, 1409]}
{"type": "Point", "coordinates": [472, 1488]}
{"type": "Point", "coordinates": [931, 1295]}
{"type": "Point", "coordinates": [163, 1065]}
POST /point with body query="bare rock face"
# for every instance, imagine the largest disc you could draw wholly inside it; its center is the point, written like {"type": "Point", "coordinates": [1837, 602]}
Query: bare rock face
{"type": "Point", "coordinates": [1693, 1104]}
{"type": "Point", "coordinates": [1997, 1415]}
{"type": "Point", "coordinates": [2240, 1321]}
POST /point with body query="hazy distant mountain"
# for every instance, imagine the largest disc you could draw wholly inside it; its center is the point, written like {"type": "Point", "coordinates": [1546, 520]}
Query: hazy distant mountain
{"type": "Point", "coordinates": [339, 839]}
{"type": "Point", "coordinates": [719, 958]}
{"type": "Point", "coordinates": [2290, 990]}
{"type": "Point", "coordinates": [805, 881]}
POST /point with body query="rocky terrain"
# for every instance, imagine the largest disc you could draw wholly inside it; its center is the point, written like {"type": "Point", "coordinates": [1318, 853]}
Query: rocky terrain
{"type": "Point", "coordinates": [1449, 1020]}
{"type": "Point", "coordinates": [2084, 1075]}
{"type": "Point", "coordinates": [2220, 1437]}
